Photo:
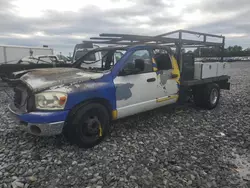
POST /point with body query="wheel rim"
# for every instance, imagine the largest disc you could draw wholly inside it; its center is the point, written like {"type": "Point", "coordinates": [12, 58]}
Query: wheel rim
{"type": "Point", "coordinates": [214, 96]}
{"type": "Point", "coordinates": [92, 126]}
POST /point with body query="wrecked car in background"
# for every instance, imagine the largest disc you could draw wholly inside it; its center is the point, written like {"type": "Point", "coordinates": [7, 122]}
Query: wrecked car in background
{"type": "Point", "coordinates": [81, 101]}
{"type": "Point", "coordinates": [31, 62]}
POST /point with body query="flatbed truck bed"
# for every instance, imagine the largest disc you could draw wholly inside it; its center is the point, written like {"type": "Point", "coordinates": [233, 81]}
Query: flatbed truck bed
{"type": "Point", "coordinates": [195, 82]}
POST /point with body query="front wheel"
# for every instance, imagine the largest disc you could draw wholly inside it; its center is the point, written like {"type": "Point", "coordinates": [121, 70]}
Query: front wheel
{"type": "Point", "coordinates": [88, 125]}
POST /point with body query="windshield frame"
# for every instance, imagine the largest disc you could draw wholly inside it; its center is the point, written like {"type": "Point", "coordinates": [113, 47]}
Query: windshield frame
{"type": "Point", "coordinates": [79, 51]}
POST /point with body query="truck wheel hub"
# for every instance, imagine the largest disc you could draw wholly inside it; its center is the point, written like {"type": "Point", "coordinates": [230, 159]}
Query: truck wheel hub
{"type": "Point", "coordinates": [214, 96]}
{"type": "Point", "coordinates": [93, 125]}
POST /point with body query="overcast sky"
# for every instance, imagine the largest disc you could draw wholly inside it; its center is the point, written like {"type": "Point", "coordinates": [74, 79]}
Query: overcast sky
{"type": "Point", "coordinates": [62, 24]}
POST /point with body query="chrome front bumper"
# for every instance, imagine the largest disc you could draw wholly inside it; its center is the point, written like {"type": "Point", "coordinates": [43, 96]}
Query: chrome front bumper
{"type": "Point", "coordinates": [44, 129]}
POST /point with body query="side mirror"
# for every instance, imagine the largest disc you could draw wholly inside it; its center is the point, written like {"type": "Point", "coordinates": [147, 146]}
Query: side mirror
{"type": "Point", "coordinates": [133, 68]}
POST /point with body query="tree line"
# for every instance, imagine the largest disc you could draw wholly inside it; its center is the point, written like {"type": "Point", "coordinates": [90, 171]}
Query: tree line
{"type": "Point", "coordinates": [231, 51]}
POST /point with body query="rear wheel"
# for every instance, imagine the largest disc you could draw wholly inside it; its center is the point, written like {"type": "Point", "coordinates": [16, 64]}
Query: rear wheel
{"type": "Point", "coordinates": [211, 96]}
{"type": "Point", "coordinates": [88, 125]}
{"type": "Point", "coordinates": [207, 96]}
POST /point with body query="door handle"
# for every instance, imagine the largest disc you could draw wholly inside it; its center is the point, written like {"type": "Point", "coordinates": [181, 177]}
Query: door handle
{"type": "Point", "coordinates": [151, 80]}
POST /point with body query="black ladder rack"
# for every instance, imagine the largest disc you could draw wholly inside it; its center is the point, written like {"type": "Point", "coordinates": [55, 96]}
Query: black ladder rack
{"type": "Point", "coordinates": [178, 42]}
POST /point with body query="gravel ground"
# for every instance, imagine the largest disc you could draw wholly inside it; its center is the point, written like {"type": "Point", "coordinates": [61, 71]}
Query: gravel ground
{"type": "Point", "coordinates": [178, 147]}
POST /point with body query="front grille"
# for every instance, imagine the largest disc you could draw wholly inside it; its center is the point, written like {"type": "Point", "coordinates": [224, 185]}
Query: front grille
{"type": "Point", "coordinates": [17, 97]}
{"type": "Point", "coordinates": [31, 103]}
{"type": "Point", "coordinates": [20, 98]}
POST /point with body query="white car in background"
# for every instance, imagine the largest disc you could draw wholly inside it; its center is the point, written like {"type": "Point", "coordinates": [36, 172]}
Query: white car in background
{"type": "Point", "coordinates": [42, 59]}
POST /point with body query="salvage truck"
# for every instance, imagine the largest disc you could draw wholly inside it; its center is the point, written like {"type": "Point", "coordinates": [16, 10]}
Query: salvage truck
{"type": "Point", "coordinates": [137, 74]}
{"type": "Point", "coordinates": [30, 62]}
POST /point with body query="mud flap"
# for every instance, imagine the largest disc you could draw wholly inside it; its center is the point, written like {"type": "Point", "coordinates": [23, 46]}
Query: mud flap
{"type": "Point", "coordinates": [3, 85]}
{"type": "Point", "coordinates": [225, 85]}
{"type": "Point", "coordinates": [183, 95]}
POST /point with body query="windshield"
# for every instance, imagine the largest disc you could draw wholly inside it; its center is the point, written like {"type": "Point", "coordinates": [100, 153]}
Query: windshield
{"type": "Point", "coordinates": [79, 54]}
{"type": "Point", "coordinates": [101, 60]}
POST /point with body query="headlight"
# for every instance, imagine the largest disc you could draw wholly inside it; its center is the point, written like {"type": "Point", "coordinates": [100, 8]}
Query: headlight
{"type": "Point", "coordinates": [50, 100]}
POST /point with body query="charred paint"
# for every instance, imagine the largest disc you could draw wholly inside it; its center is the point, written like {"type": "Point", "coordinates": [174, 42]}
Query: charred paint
{"type": "Point", "coordinates": [123, 91]}
{"type": "Point", "coordinates": [39, 80]}
{"type": "Point", "coordinates": [163, 79]}
{"type": "Point", "coordinates": [78, 87]}
{"type": "Point", "coordinates": [163, 76]}
{"type": "Point", "coordinates": [61, 88]}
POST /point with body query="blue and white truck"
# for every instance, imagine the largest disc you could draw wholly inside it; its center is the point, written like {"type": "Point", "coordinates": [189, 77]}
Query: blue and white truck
{"type": "Point", "coordinates": [81, 101]}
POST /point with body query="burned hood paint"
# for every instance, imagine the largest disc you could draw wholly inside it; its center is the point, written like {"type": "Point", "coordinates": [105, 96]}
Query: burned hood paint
{"type": "Point", "coordinates": [41, 79]}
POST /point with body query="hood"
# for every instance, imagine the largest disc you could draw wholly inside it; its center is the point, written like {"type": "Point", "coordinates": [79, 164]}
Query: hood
{"type": "Point", "coordinates": [41, 79]}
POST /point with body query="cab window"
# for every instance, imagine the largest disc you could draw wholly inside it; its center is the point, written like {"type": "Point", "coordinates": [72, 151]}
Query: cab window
{"type": "Point", "coordinates": [139, 62]}
{"type": "Point", "coordinates": [118, 55]}
{"type": "Point", "coordinates": [162, 59]}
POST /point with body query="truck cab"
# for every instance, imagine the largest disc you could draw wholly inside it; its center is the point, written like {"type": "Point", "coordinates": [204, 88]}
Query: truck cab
{"type": "Point", "coordinates": [81, 101]}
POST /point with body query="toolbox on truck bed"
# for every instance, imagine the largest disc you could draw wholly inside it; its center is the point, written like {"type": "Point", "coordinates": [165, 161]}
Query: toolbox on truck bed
{"type": "Point", "coordinates": [210, 69]}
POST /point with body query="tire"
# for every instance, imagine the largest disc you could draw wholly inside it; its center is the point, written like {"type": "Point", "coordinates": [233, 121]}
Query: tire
{"type": "Point", "coordinates": [202, 96]}
{"type": "Point", "coordinates": [211, 96]}
{"type": "Point", "coordinates": [87, 125]}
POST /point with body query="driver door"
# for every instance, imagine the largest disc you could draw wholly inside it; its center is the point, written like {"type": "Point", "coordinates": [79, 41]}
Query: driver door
{"type": "Point", "coordinates": [136, 91]}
